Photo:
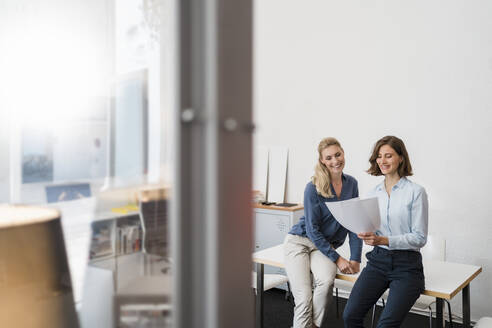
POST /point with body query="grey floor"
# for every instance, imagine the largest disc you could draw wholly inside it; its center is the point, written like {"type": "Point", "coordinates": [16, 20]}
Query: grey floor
{"type": "Point", "coordinates": [279, 312]}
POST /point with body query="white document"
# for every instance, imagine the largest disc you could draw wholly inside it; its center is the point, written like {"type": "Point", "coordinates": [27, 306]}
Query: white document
{"type": "Point", "coordinates": [357, 215]}
{"type": "Point", "coordinates": [277, 173]}
{"type": "Point", "coordinates": [260, 169]}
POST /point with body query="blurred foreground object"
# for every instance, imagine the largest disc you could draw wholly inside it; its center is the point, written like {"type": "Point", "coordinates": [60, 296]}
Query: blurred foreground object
{"type": "Point", "coordinates": [35, 285]}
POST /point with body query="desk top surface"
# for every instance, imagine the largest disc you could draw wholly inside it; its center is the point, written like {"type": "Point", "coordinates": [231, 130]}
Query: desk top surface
{"type": "Point", "coordinates": [442, 279]}
{"type": "Point", "coordinates": [110, 215]}
{"type": "Point", "coordinates": [159, 286]}
{"type": "Point", "coordinates": [279, 208]}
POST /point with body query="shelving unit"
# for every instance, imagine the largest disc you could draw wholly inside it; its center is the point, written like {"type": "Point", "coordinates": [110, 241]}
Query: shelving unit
{"type": "Point", "coordinates": [115, 234]}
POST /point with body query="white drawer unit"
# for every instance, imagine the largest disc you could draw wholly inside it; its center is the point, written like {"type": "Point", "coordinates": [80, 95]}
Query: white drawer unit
{"type": "Point", "coordinates": [272, 224]}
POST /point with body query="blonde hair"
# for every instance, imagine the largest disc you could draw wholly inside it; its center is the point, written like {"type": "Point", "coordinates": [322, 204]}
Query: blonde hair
{"type": "Point", "coordinates": [321, 178]}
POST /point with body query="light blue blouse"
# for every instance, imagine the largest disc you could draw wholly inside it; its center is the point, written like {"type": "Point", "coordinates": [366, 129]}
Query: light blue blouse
{"type": "Point", "coordinates": [404, 215]}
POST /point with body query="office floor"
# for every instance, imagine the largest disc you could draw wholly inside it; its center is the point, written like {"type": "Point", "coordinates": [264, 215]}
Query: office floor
{"type": "Point", "coordinates": [279, 312]}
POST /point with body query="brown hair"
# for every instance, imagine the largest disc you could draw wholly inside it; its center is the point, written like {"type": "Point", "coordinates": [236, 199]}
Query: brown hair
{"type": "Point", "coordinates": [405, 168]}
{"type": "Point", "coordinates": [321, 178]}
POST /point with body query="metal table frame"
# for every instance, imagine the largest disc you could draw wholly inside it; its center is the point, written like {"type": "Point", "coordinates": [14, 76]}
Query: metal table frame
{"type": "Point", "coordinates": [273, 256]}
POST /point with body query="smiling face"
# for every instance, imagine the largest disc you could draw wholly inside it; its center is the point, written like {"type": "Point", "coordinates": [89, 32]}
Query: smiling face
{"type": "Point", "coordinates": [388, 160]}
{"type": "Point", "coordinates": [334, 159]}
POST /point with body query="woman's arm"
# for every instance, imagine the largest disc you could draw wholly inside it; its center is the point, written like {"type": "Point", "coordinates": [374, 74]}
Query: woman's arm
{"type": "Point", "coordinates": [312, 214]}
{"type": "Point", "coordinates": [355, 247]}
{"type": "Point", "coordinates": [371, 239]}
{"type": "Point", "coordinates": [355, 252]}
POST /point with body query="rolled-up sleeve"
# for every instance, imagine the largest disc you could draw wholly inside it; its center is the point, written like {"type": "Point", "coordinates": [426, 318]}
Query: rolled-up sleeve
{"type": "Point", "coordinates": [355, 247]}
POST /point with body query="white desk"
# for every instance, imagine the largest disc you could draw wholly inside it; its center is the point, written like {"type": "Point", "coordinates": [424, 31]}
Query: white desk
{"type": "Point", "coordinates": [443, 280]}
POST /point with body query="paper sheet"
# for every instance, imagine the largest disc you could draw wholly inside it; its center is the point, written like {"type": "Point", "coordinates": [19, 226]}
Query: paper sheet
{"type": "Point", "coordinates": [260, 169]}
{"type": "Point", "coordinates": [277, 173]}
{"type": "Point", "coordinates": [357, 215]}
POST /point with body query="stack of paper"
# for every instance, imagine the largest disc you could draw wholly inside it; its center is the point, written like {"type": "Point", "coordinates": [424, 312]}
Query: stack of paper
{"type": "Point", "coordinates": [357, 215]}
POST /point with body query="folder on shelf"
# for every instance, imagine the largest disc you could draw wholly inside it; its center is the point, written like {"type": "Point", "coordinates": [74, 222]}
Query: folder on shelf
{"type": "Point", "coordinates": [125, 209]}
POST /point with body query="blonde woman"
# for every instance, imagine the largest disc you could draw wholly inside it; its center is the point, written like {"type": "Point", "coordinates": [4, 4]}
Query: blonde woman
{"type": "Point", "coordinates": [310, 246]}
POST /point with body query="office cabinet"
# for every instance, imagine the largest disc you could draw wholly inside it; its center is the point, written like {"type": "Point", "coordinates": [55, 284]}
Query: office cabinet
{"type": "Point", "coordinates": [272, 224]}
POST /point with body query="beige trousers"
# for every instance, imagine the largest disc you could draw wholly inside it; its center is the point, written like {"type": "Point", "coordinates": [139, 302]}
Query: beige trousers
{"type": "Point", "coordinates": [311, 298]}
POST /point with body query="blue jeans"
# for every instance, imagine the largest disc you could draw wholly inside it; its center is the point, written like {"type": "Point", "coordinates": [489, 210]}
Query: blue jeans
{"type": "Point", "coordinates": [400, 271]}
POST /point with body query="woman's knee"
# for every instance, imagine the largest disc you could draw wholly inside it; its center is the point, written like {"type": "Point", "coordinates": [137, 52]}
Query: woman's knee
{"type": "Point", "coordinates": [351, 316]}
{"type": "Point", "coordinates": [303, 297]}
{"type": "Point", "coordinates": [348, 318]}
{"type": "Point", "coordinates": [324, 279]}
{"type": "Point", "coordinates": [325, 283]}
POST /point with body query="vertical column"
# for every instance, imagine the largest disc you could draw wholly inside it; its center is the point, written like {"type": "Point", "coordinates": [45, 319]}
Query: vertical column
{"type": "Point", "coordinates": [212, 227]}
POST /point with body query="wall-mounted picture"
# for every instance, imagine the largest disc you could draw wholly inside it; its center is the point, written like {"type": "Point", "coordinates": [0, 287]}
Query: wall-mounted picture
{"type": "Point", "coordinates": [37, 156]}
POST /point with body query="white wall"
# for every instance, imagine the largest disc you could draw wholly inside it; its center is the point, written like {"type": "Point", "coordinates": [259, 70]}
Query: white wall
{"type": "Point", "coordinates": [4, 157]}
{"type": "Point", "coordinates": [359, 70]}
{"type": "Point", "coordinates": [4, 114]}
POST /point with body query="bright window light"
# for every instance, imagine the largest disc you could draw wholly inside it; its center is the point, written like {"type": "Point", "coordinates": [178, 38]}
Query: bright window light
{"type": "Point", "coordinates": [51, 72]}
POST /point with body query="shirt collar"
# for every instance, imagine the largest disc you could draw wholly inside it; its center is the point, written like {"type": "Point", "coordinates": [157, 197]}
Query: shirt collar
{"type": "Point", "coordinates": [344, 179]}
{"type": "Point", "coordinates": [398, 185]}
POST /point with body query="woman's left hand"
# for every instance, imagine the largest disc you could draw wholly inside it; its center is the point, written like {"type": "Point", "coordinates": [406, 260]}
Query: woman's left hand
{"type": "Point", "coordinates": [355, 266]}
{"type": "Point", "coordinates": [371, 239]}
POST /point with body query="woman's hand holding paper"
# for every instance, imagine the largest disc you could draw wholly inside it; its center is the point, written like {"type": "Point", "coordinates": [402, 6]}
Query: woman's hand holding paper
{"type": "Point", "coordinates": [371, 239]}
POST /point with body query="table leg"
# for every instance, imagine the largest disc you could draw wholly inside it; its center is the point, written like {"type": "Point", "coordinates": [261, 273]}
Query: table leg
{"type": "Point", "coordinates": [439, 312]}
{"type": "Point", "coordinates": [116, 311]}
{"type": "Point", "coordinates": [260, 268]}
{"type": "Point", "coordinates": [465, 293]}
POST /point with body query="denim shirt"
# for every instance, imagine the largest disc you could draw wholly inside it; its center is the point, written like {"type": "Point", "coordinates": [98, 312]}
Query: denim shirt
{"type": "Point", "coordinates": [404, 215]}
{"type": "Point", "coordinates": [319, 225]}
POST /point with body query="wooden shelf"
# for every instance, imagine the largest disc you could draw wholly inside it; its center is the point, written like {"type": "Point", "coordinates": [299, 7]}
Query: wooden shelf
{"type": "Point", "coordinates": [279, 208]}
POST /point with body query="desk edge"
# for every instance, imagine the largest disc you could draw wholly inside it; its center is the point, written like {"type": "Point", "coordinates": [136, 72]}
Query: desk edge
{"type": "Point", "coordinates": [466, 283]}
{"type": "Point", "coordinates": [447, 296]}
{"type": "Point", "coordinates": [298, 207]}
